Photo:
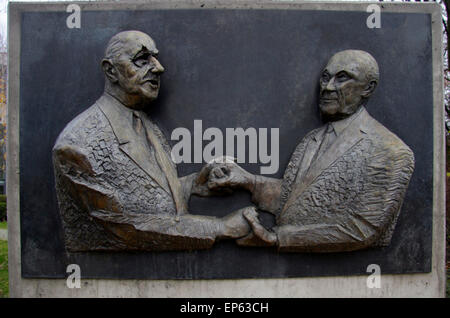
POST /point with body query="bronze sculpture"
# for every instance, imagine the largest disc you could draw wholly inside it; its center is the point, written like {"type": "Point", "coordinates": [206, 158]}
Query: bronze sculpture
{"type": "Point", "coordinates": [116, 185]}
{"type": "Point", "coordinates": [345, 183]}
{"type": "Point", "coordinates": [118, 189]}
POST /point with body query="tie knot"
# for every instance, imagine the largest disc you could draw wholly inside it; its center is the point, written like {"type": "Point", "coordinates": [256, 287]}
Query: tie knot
{"type": "Point", "coordinates": [330, 128]}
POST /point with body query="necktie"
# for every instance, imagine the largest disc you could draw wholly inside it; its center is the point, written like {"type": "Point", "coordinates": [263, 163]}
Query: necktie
{"type": "Point", "coordinates": [328, 138]}
{"type": "Point", "coordinates": [137, 123]}
{"type": "Point", "coordinates": [163, 161]}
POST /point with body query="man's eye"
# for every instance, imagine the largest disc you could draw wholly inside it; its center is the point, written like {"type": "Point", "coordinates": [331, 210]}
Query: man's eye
{"type": "Point", "coordinates": [142, 60]}
{"type": "Point", "coordinates": [342, 77]}
{"type": "Point", "coordinates": [325, 77]}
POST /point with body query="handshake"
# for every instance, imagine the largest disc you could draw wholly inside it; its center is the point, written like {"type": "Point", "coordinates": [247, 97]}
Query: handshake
{"type": "Point", "coordinates": [220, 177]}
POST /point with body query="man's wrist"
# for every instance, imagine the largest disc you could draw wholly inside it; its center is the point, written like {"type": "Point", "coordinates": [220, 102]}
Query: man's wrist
{"type": "Point", "coordinates": [221, 229]}
{"type": "Point", "coordinates": [250, 182]}
{"type": "Point", "coordinates": [188, 182]}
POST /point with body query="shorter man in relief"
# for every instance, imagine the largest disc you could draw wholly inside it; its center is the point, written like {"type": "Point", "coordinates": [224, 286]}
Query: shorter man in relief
{"type": "Point", "coordinates": [345, 183]}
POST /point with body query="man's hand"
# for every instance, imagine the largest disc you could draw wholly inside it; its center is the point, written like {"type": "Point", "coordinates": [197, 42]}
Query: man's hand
{"type": "Point", "coordinates": [217, 167]}
{"type": "Point", "coordinates": [200, 183]}
{"type": "Point", "coordinates": [260, 235]}
{"type": "Point", "coordinates": [230, 175]}
{"type": "Point", "coordinates": [235, 225]}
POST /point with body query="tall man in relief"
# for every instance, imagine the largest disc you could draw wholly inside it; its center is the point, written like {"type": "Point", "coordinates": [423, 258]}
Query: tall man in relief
{"type": "Point", "coordinates": [116, 185]}
{"type": "Point", "coordinates": [345, 183]}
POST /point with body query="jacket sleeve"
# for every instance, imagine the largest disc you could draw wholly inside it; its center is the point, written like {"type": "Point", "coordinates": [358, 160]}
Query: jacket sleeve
{"type": "Point", "coordinates": [324, 237]}
{"type": "Point", "coordinates": [151, 231]}
{"type": "Point", "coordinates": [366, 219]}
{"type": "Point", "coordinates": [266, 193]}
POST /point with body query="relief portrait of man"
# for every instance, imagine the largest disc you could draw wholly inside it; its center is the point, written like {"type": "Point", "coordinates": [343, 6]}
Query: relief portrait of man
{"type": "Point", "coordinates": [116, 185]}
{"type": "Point", "coordinates": [344, 185]}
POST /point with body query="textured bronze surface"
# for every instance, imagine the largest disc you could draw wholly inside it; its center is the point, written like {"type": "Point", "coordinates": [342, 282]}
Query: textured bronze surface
{"type": "Point", "coordinates": [118, 188]}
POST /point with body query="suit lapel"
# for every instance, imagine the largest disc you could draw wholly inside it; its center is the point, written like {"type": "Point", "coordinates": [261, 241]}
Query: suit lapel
{"type": "Point", "coordinates": [311, 148]}
{"type": "Point", "coordinates": [352, 135]}
{"type": "Point", "coordinates": [129, 142]}
{"type": "Point", "coordinates": [349, 137]}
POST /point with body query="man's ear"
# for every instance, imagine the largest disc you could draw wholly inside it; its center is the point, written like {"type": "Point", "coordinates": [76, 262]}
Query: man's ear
{"type": "Point", "coordinates": [109, 70]}
{"type": "Point", "coordinates": [370, 88]}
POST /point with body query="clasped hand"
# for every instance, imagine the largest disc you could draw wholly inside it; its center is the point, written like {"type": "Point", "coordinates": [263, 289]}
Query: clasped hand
{"type": "Point", "coordinates": [220, 177]}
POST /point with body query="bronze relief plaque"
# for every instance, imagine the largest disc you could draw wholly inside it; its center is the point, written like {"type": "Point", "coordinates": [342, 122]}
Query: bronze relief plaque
{"type": "Point", "coordinates": [350, 183]}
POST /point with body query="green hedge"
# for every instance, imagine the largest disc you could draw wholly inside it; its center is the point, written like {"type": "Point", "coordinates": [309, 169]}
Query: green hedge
{"type": "Point", "coordinates": [4, 289]}
{"type": "Point", "coordinates": [2, 207]}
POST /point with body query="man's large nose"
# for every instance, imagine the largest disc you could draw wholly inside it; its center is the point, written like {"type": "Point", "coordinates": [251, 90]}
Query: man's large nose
{"type": "Point", "coordinates": [330, 85]}
{"type": "Point", "coordinates": [157, 67]}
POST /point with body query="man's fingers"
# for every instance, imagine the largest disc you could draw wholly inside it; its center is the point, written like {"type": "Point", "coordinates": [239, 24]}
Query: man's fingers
{"type": "Point", "coordinates": [247, 240]}
{"type": "Point", "coordinates": [217, 178]}
{"type": "Point", "coordinates": [205, 191]}
{"type": "Point", "coordinates": [212, 170]}
{"type": "Point", "coordinates": [252, 240]}
{"type": "Point", "coordinates": [204, 173]}
{"type": "Point", "coordinates": [251, 215]}
{"type": "Point", "coordinates": [260, 231]}
{"type": "Point", "coordinates": [217, 172]}
{"type": "Point", "coordinates": [212, 185]}
{"type": "Point", "coordinates": [216, 183]}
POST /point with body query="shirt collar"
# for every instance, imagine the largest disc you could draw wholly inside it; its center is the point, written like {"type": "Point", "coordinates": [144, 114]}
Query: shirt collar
{"type": "Point", "coordinates": [340, 125]}
{"type": "Point", "coordinates": [119, 116]}
{"type": "Point", "coordinates": [123, 110]}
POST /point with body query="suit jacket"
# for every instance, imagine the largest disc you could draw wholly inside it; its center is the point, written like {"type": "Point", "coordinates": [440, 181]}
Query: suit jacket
{"type": "Point", "coordinates": [350, 196]}
{"type": "Point", "coordinates": [111, 190]}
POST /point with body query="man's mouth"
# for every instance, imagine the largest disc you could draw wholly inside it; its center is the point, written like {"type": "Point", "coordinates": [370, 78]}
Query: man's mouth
{"type": "Point", "coordinates": [328, 99]}
{"type": "Point", "coordinates": [154, 83]}
{"type": "Point", "coordinates": [329, 96]}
